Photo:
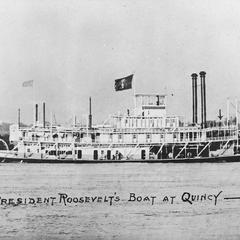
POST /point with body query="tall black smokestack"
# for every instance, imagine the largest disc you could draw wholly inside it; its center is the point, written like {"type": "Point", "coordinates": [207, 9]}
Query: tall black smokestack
{"type": "Point", "coordinates": [36, 113]}
{"type": "Point", "coordinates": [90, 114]}
{"type": "Point", "coordinates": [196, 101]}
{"type": "Point", "coordinates": [194, 97]}
{"type": "Point", "coordinates": [44, 117]}
{"type": "Point", "coordinates": [203, 99]}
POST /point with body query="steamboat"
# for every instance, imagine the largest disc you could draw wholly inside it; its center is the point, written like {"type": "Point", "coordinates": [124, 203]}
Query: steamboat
{"type": "Point", "coordinates": [146, 134]}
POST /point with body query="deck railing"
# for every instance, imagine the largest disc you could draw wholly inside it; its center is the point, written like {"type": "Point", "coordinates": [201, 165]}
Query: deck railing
{"type": "Point", "coordinates": [128, 136]}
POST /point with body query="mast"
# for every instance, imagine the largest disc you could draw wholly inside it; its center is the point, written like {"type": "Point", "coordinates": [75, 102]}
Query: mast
{"type": "Point", "coordinates": [51, 130]}
{"type": "Point", "coordinates": [36, 114]}
{"type": "Point", "coordinates": [44, 120]}
{"type": "Point", "coordinates": [90, 114]}
{"type": "Point", "coordinates": [19, 117]}
{"type": "Point", "coordinates": [75, 121]}
{"type": "Point", "coordinates": [236, 102]}
{"type": "Point", "coordinates": [134, 93]}
{"type": "Point", "coordinates": [227, 111]}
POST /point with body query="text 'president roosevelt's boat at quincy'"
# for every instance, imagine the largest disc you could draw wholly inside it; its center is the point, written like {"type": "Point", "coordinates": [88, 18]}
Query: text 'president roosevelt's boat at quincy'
{"type": "Point", "coordinates": [145, 135]}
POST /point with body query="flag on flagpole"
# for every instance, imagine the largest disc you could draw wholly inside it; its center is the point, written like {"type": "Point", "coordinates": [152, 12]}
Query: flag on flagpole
{"type": "Point", "coordinates": [28, 83]}
{"type": "Point", "coordinates": [123, 83]}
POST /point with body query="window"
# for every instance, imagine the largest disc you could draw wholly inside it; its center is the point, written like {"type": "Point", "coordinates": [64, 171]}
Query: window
{"type": "Point", "coordinates": [120, 138]}
{"type": "Point", "coordinates": [110, 137]}
{"type": "Point", "coordinates": [181, 136]}
{"type": "Point", "coordinates": [134, 137]}
{"type": "Point", "coordinates": [79, 154]}
{"type": "Point", "coordinates": [109, 154]}
{"type": "Point", "coordinates": [143, 154]}
{"type": "Point", "coordinates": [195, 135]}
{"type": "Point", "coordinates": [208, 134]}
{"type": "Point", "coordinates": [95, 155]}
{"type": "Point", "coordinates": [190, 136]}
{"type": "Point", "coordinates": [148, 137]}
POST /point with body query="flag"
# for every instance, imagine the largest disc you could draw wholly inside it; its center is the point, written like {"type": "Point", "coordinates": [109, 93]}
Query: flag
{"type": "Point", "coordinates": [123, 83]}
{"type": "Point", "coordinates": [28, 83]}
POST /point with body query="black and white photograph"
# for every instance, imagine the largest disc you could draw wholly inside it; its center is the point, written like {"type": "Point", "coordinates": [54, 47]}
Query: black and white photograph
{"type": "Point", "coordinates": [119, 120]}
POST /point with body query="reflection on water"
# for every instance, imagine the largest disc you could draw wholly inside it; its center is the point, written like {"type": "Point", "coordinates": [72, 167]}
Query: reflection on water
{"type": "Point", "coordinates": [92, 217]}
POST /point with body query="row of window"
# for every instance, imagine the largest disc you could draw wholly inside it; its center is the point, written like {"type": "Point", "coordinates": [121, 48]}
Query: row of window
{"type": "Point", "coordinates": [107, 155]}
{"type": "Point", "coordinates": [140, 123]}
{"type": "Point", "coordinates": [182, 136]}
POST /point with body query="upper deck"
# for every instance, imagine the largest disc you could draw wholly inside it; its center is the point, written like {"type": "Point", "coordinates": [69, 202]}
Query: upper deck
{"type": "Point", "coordinates": [123, 136]}
{"type": "Point", "coordinates": [149, 112]}
{"type": "Point", "coordinates": [153, 105]}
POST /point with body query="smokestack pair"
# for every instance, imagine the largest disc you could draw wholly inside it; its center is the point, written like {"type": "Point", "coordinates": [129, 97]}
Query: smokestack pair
{"type": "Point", "coordinates": [203, 98]}
{"type": "Point", "coordinates": [36, 114]}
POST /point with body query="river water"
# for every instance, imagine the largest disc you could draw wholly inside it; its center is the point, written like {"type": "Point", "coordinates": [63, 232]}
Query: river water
{"type": "Point", "coordinates": [180, 201]}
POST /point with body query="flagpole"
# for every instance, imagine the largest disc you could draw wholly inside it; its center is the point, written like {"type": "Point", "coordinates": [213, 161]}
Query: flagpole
{"type": "Point", "coordinates": [134, 91]}
{"type": "Point", "coordinates": [236, 102]}
{"type": "Point", "coordinates": [51, 130]}
{"type": "Point", "coordinates": [33, 99]}
{"type": "Point", "coordinates": [227, 111]}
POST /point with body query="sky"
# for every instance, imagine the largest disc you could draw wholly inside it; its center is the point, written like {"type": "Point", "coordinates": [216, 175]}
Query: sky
{"type": "Point", "coordinates": [75, 49]}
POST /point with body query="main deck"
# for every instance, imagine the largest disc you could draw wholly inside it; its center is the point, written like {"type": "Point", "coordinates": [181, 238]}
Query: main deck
{"type": "Point", "coordinates": [219, 159]}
